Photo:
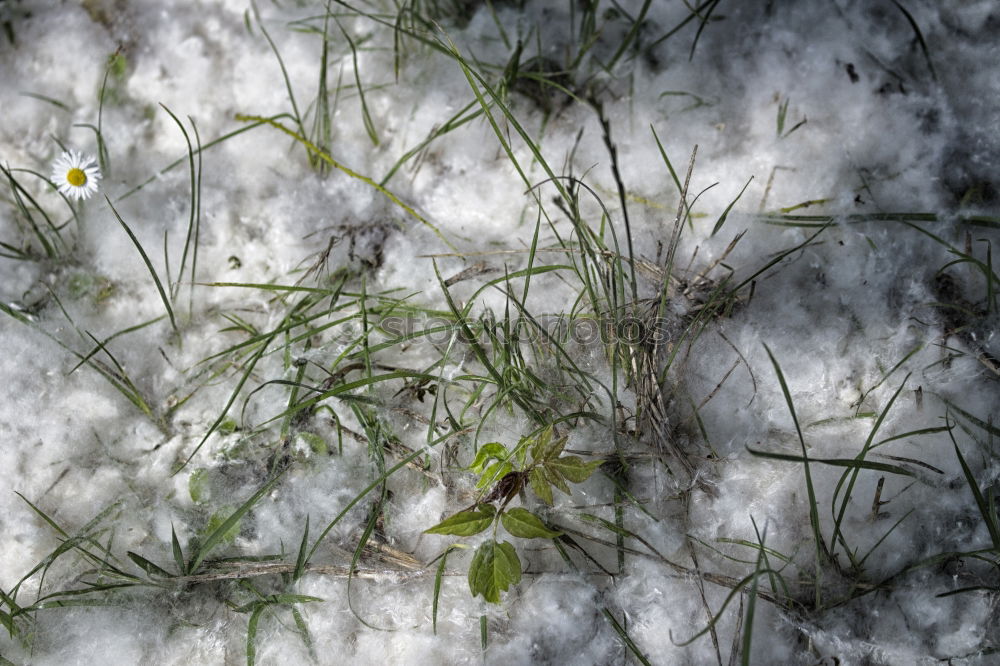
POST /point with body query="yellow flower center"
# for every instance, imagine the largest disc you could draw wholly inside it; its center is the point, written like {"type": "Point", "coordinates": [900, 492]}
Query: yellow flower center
{"type": "Point", "coordinates": [76, 177]}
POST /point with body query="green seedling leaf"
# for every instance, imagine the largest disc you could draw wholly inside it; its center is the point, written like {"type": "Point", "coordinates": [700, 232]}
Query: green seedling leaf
{"type": "Point", "coordinates": [464, 523]}
{"type": "Point", "coordinates": [486, 453]}
{"type": "Point", "coordinates": [495, 567]}
{"type": "Point", "coordinates": [522, 523]}
{"type": "Point", "coordinates": [494, 473]}
{"type": "Point", "coordinates": [573, 469]}
{"type": "Point", "coordinates": [198, 485]}
{"type": "Point", "coordinates": [541, 485]}
{"type": "Point", "coordinates": [541, 444]}
{"type": "Point", "coordinates": [555, 448]}
{"type": "Point", "coordinates": [556, 479]}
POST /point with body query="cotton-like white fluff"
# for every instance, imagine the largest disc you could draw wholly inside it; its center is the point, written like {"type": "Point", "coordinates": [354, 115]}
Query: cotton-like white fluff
{"type": "Point", "coordinates": [855, 118]}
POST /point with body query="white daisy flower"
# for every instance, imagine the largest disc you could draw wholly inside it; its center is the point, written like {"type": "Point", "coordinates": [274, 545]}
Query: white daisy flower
{"type": "Point", "coordinates": [76, 175]}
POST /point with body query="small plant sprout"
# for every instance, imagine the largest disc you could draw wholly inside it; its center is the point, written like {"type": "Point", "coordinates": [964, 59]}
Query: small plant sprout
{"type": "Point", "coordinates": [76, 175]}
{"type": "Point", "coordinates": [495, 565]}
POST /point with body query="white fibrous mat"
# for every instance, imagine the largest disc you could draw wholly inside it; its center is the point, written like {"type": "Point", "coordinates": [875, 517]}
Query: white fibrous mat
{"type": "Point", "coordinates": [506, 332]}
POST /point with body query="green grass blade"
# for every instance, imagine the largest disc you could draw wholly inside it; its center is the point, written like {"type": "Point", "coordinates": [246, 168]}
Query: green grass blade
{"type": "Point", "coordinates": [219, 534]}
{"type": "Point", "coordinates": [303, 629]}
{"type": "Point", "coordinates": [149, 266]}
{"type": "Point", "coordinates": [438, 576]}
{"type": "Point", "coordinates": [316, 151]}
{"type": "Point", "coordinates": [839, 519]}
{"type": "Point", "coordinates": [357, 498]}
{"type": "Point", "coordinates": [752, 598]}
{"type": "Point", "coordinates": [284, 72]}
{"type": "Point", "coordinates": [701, 25]}
{"type": "Point", "coordinates": [850, 463]}
{"type": "Point", "coordinates": [365, 114]}
{"type": "Point", "coordinates": [820, 544]}
{"type": "Point", "coordinates": [102, 344]}
{"type": "Point", "coordinates": [149, 567]}
{"type": "Point", "coordinates": [301, 560]}
{"type": "Point", "coordinates": [625, 638]}
{"type": "Point", "coordinates": [920, 37]}
{"type": "Point", "coordinates": [18, 191]}
{"type": "Point", "coordinates": [258, 608]}
{"type": "Point", "coordinates": [725, 213]}
{"type": "Point", "coordinates": [631, 35]}
{"type": "Point", "coordinates": [984, 510]}
{"type": "Point", "coordinates": [195, 178]}
{"type": "Point", "coordinates": [44, 98]}
{"type": "Point", "coordinates": [210, 144]}
{"type": "Point", "coordinates": [175, 546]}
{"type": "Point", "coordinates": [232, 398]}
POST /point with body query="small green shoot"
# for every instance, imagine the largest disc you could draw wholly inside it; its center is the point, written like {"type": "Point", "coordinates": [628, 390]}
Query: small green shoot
{"type": "Point", "coordinates": [504, 474]}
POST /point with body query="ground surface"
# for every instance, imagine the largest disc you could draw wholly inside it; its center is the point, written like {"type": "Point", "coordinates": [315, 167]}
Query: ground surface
{"type": "Point", "coordinates": [452, 226]}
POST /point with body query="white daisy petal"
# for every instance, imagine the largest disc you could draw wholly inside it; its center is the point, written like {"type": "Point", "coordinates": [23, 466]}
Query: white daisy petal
{"type": "Point", "coordinates": [76, 175]}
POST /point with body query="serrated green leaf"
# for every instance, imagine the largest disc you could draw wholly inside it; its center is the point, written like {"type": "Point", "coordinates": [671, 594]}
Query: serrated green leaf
{"type": "Point", "coordinates": [574, 469]}
{"type": "Point", "coordinates": [541, 486]}
{"type": "Point", "coordinates": [464, 523]}
{"type": "Point", "coordinates": [555, 478]}
{"type": "Point", "coordinates": [494, 473]}
{"type": "Point", "coordinates": [541, 444]}
{"type": "Point", "coordinates": [555, 448]}
{"type": "Point", "coordinates": [495, 567]}
{"type": "Point", "coordinates": [522, 523]}
{"type": "Point", "coordinates": [486, 453]}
